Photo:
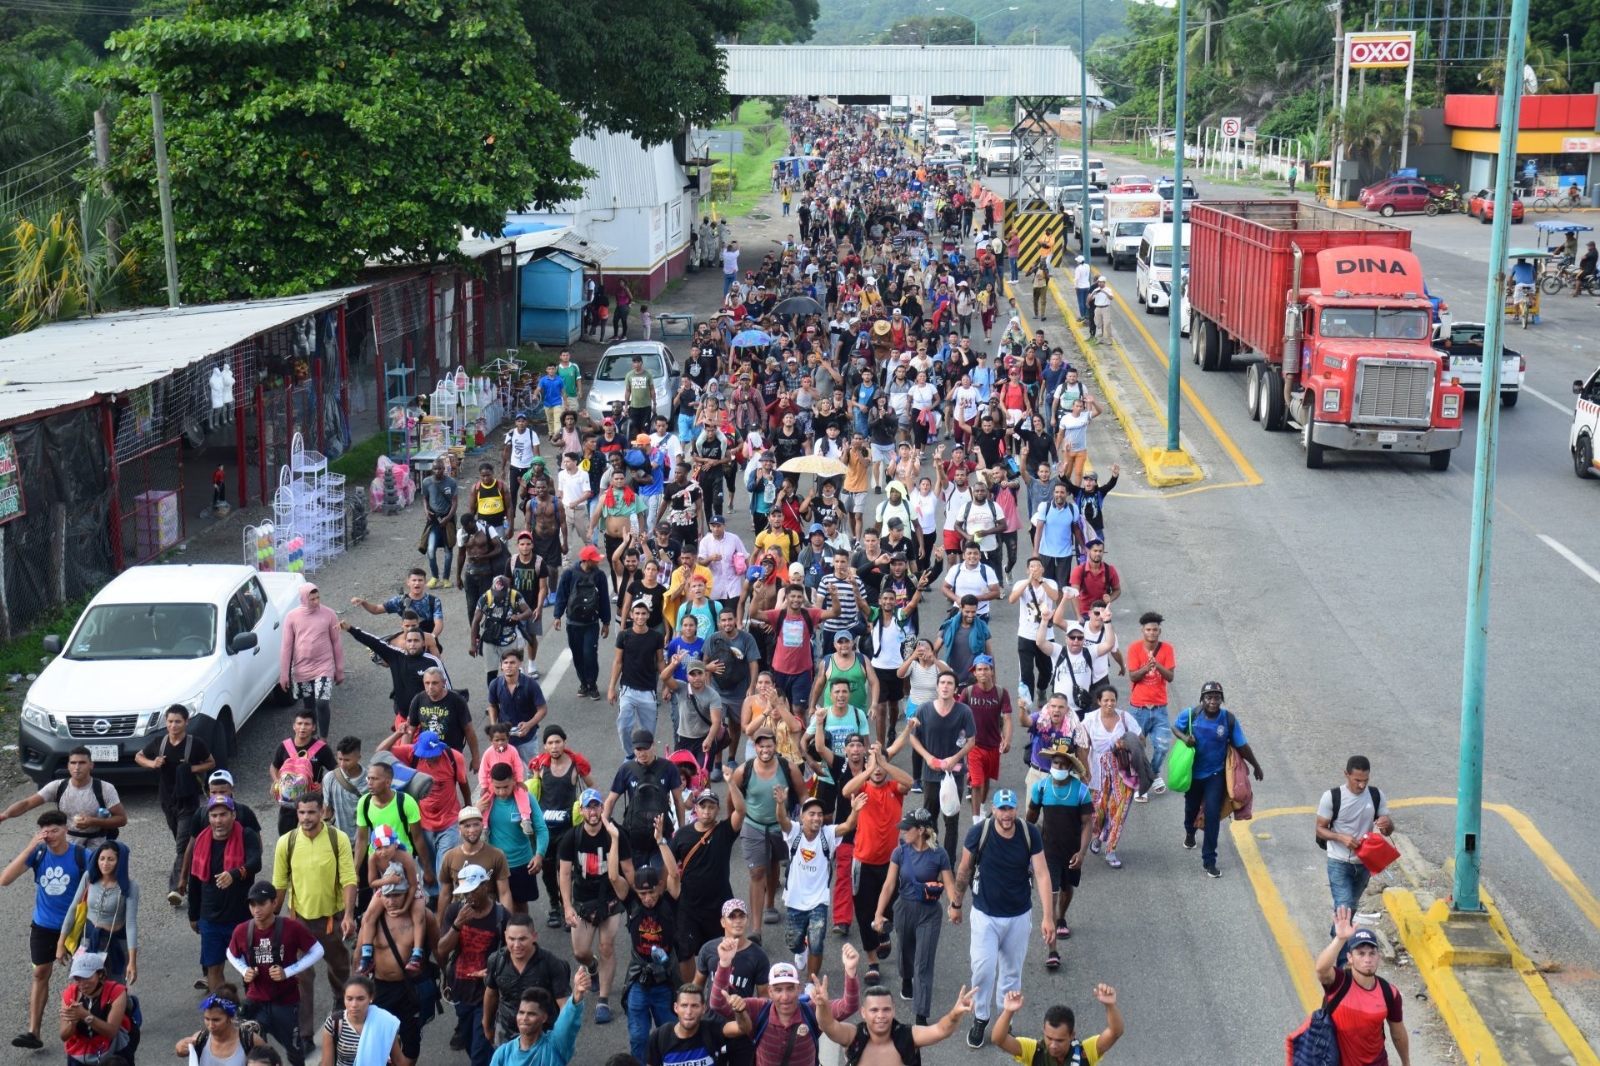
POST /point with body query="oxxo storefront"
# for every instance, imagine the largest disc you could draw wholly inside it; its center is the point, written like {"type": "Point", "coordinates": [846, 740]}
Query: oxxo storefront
{"type": "Point", "coordinates": [1557, 142]}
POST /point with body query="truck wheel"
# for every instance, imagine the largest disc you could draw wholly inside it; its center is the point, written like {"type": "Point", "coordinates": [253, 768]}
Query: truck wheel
{"type": "Point", "coordinates": [1274, 412]}
{"type": "Point", "coordinates": [1210, 345]}
{"type": "Point", "coordinates": [1197, 333]}
{"type": "Point", "coordinates": [1583, 458]}
{"type": "Point", "coordinates": [1509, 399]}
{"type": "Point", "coordinates": [1439, 460]}
{"type": "Point", "coordinates": [1226, 347]}
{"type": "Point", "coordinates": [1252, 391]}
{"type": "Point", "coordinates": [1148, 309]}
{"type": "Point", "coordinates": [1314, 451]}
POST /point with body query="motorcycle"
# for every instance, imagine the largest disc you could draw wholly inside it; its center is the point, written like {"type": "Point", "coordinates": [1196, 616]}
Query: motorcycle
{"type": "Point", "coordinates": [1447, 202]}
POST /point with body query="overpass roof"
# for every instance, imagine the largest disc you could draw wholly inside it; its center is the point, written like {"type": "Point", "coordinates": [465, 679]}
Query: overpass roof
{"type": "Point", "coordinates": [900, 70]}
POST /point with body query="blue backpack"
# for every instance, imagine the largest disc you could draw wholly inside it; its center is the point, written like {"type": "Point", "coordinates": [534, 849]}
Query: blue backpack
{"type": "Point", "coordinates": [1315, 1043]}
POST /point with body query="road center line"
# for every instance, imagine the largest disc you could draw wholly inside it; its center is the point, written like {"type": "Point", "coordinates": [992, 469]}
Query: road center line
{"type": "Point", "coordinates": [1572, 557]}
{"type": "Point", "coordinates": [1565, 409]}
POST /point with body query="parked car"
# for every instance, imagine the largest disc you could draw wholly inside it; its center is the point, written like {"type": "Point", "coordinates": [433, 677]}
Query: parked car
{"type": "Point", "coordinates": [1403, 197]}
{"type": "Point", "coordinates": [1481, 206]}
{"type": "Point", "coordinates": [606, 388]}
{"type": "Point", "coordinates": [206, 636]}
{"type": "Point", "coordinates": [1132, 183]}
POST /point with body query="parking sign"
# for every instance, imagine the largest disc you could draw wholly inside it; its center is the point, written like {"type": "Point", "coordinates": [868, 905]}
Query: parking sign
{"type": "Point", "coordinates": [1231, 127]}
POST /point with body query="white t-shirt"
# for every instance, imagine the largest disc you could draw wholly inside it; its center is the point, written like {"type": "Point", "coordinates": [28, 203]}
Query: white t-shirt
{"type": "Point", "coordinates": [573, 486]}
{"type": "Point", "coordinates": [810, 864]}
{"type": "Point", "coordinates": [980, 516]}
{"type": "Point", "coordinates": [730, 260]}
{"type": "Point", "coordinates": [670, 446]}
{"type": "Point", "coordinates": [924, 397]}
{"type": "Point", "coordinates": [1092, 733]}
{"type": "Point", "coordinates": [966, 402]}
{"type": "Point", "coordinates": [955, 504]}
{"type": "Point", "coordinates": [1356, 818]}
{"type": "Point", "coordinates": [1100, 651]}
{"type": "Point", "coordinates": [522, 444]}
{"type": "Point", "coordinates": [1075, 429]}
{"type": "Point", "coordinates": [926, 507]}
{"type": "Point", "coordinates": [963, 582]}
{"type": "Point", "coordinates": [1068, 668]}
{"type": "Point", "coordinates": [1032, 607]}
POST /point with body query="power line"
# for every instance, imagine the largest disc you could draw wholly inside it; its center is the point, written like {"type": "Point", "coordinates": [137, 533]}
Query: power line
{"type": "Point", "coordinates": [80, 144]}
{"type": "Point", "coordinates": [62, 171]}
{"type": "Point", "coordinates": [1252, 13]}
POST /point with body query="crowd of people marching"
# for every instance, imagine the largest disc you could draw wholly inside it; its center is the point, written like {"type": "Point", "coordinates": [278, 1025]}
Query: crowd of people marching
{"type": "Point", "coordinates": [837, 720]}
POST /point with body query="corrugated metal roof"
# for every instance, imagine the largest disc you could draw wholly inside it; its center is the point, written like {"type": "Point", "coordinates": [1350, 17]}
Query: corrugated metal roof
{"type": "Point", "coordinates": [627, 174]}
{"type": "Point", "coordinates": [883, 70]}
{"type": "Point", "coordinates": [68, 363]}
{"type": "Point", "coordinates": [564, 240]}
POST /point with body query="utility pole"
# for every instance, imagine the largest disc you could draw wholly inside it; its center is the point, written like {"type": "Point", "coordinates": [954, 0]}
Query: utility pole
{"type": "Point", "coordinates": [1083, 125]}
{"type": "Point", "coordinates": [1474, 662]}
{"type": "Point", "coordinates": [158, 126]}
{"type": "Point", "coordinates": [1161, 102]}
{"type": "Point", "coordinates": [1174, 325]}
{"type": "Point", "coordinates": [102, 158]}
{"type": "Point", "coordinates": [1337, 190]}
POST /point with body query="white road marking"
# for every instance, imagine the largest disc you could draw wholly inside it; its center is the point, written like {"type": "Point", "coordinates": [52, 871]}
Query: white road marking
{"type": "Point", "coordinates": [558, 670]}
{"type": "Point", "coordinates": [1564, 408]}
{"type": "Point", "coordinates": [1572, 557]}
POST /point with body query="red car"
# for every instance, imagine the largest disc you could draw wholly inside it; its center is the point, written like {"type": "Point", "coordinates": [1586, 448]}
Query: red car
{"type": "Point", "coordinates": [1482, 206]}
{"type": "Point", "coordinates": [1132, 183]}
{"type": "Point", "coordinates": [1394, 197]}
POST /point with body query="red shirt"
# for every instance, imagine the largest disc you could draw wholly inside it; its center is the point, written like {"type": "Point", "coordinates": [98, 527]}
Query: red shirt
{"type": "Point", "coordinates": [791, 646]}
{"type": "Point", "coordinates": [255, 946]}
{"type": "Point", "coordinates": [441, 807]}
{"type": "Point", "coordinates": [1093, 585]}
{"type": "Point", "coordinates": [876, 825]}
{"type": "Point", "coordinates": [1151, 689]}
{"type": "Point", "coordinates": [1359, 1023]}
{"type": "Point", "coordinates": [989, 710]}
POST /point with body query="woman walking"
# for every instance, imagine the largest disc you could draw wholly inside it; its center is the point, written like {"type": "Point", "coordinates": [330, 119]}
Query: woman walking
{"type": "Point", "coordinates": [1103, 732]}
{"type": "Point", "coordinates": [111, 924]}
{"type": "Point", "coordinates": [223, 1041]}
{"type": "Point", "coordinates": [362, 1031]}
{"type": "Point", "coordinates": [919, 874]}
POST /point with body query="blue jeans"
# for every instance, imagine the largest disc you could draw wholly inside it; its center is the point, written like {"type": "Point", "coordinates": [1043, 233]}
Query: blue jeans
{"type": "Point", "coordinates": [727, 282]}
{"type": "Point", "coordinates": [1013, 270]}
{"type": "Point", "coordinates": [647, 1008]}
{"type": "Point", "coordinates": [1209, 791]}
{"type": "Point", "coordinates": [1154, 724]}
{"type": "Point", "coordinates": [436, 544]}
{"type": "Point", "coordinates": [635, 710]}
{"type": "Point", "coordinates": [1083, 304]}
{"type": "Point", "coordinates": [806, 930]}
{"type": "Point", "coordinates": [584, 643]}
{"type": "Point", "coordinates": [469, 1022]}
{"type": "Point", "coordinates": [439, 842]}
{"type": "Point", "coordinates": [281, 1022]}
{"type": "Point", "coordinates": [1346, 881]}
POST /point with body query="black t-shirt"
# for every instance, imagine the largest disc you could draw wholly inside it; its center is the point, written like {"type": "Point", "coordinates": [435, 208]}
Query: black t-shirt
{"type": "Point", "coordinates": [989, 446]}
{"type": "Point", "coordinates": [788, 445]}
{"type": "Point", "coordinates": [705, 880]}
{"type": "Point", "coordinates": [654, 598]}
{"type": "Point", "coordinates": [166, 773]}
{"type": "Point", "coordinates": [705, 1048]}
{"type": "Point", "coordinates": [480, 938]}
{"type": "Point", "coordinates": [590, 856]}
{"type": "Point", "coordinates": [200, 821]}
{"type": "Point", "coordinates": [322, 762]}
{"type": "Point", "coordinates": [639, 658]}
{"type": "Point", "coordinates": [652, 942]}
{"type": "Point", "coordinates": [449, 718]}
{"type": "Point", "coordinates": [544, 970]}
{"type": "Point", "coordinates": [701, 366]}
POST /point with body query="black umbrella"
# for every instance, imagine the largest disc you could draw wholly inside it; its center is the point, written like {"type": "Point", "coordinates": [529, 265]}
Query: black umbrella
{"type": "Point", "coordinates": [798, 305]}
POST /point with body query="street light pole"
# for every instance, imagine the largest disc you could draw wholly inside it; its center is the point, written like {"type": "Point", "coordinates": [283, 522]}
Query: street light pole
{"type": "Point", "coordinates": [1174, 324]}
{"type": "Point", "coordinates": [972, 160]}
{"type": "Point", "coordinates": [1474, 662]}
{"type": "Point", "coordinates": [1084, 245]}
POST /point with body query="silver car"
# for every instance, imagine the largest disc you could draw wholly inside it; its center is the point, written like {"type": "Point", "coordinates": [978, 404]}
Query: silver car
{"type": "Point", "coordinates": [605, 389]}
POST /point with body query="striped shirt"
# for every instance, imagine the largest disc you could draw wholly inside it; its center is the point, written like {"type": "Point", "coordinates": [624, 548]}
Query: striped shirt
{"type": "Point", "coordinates": [769, 1052]}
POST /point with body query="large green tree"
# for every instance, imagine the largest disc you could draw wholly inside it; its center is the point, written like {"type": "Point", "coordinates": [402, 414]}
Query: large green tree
{"type": "Point", "coordinates": [645, 67]}
{"type": "Point", "coordinates": [309, 136]}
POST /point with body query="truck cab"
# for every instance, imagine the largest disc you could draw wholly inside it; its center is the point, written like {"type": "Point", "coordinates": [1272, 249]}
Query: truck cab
{"type": "Point", "coordinates": [1367, 377]}
{"type": "Point", "coordinates": [1585, 426]}
{"type": "Point", "coordinates": [999, 155]}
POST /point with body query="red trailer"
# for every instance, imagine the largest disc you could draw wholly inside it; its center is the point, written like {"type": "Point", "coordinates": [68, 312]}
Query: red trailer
{"type": "Point", "coordinates": [1333, 305]}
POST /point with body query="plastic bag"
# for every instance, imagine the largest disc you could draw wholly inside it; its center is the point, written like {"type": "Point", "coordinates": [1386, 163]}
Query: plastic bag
{"type": "Point", "coordinates": [1180, 767]}
{"type": "Point", "coordinates": [949, 796]}
{"type": "Point", "coordinates": [1376, 852]}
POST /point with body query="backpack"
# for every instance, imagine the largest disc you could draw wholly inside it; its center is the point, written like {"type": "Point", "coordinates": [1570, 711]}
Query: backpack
{"type": "Point", "coordinates": [364, 806]}
{"type": "Point", "coordinates": [1336, 799]}
{"type": "Point", "coordinates": [905, 1044]}
{"type": "Point", "coordinates": [1315, 1043]}
{"type": "Point", "coordinates": [1080, 695]}
{"type": "Point", "coordinates": [408, 780]}
{"type": "Point", "coordinates": [827, 852]}
{"type": "Point", "coordinates": [649, 798]}
{"type": "Point", "coordinates": [583, 606]}
{"type": "Point", "coordinates": [99, 788]}
{"type": "Point", "coordinates": [498, 629]}
{"type": "Point", "coordinates": [808, 1017]}
{"type": "Point", "coordinates": [1028, 829]}
{"type": "Point", "coordinates": [297, 775]}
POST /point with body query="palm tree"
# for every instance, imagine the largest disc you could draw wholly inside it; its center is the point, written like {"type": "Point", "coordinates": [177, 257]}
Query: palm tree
{"type": "Point", "coordinates": [1205, 14]}
{"type": "Point", "coordinates": [1370, 125]}
{"type": "Point", "coordinates": [1548, 69]}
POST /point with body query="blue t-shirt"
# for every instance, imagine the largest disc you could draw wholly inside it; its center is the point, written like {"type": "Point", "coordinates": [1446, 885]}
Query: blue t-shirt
{"type": "Point", "coordinates": [1211, 740]}
{"type": "Point", "coordinates": [1005, 871]}
{"type": "Point", "coordinates": [430, 608]}
{"type": "Point", "coordinates": [56, 878]}
{"type": "Point", "coordinates": [552, 390]}
{"type": "Point", "coordinates": [919, 868]}
{"type": "Point", "coordinates": [690, 649]}
{"type": "Point", "coordinates": [516, 707]}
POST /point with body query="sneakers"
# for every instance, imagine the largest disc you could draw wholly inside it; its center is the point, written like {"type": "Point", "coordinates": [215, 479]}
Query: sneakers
{"type": "Point", "coordinates": [1213, 872]}
{"type": "Point", "coordinates": [444, 583]}
{"type": "Point", "coordinates": [1158, 786]}
{"type": "Point", "coordinates": [975, 1035]}
{"type": "Point", "coordinates": [905, 989]}
{"type": "Point", "coordinates": [554, 919]}
{"type": "Point", "coordinates": [841, 929]}
{"type": "Point", "coordinates": [916, 788]}
{"type": "Point", "coordinates": [175, 898]}
{"type": "Point", "coordinates": [716, 774]}
{"type": "Point", "coordinates": [1188, 840]}
{"type": "Point", "coordinates": [433, 583]}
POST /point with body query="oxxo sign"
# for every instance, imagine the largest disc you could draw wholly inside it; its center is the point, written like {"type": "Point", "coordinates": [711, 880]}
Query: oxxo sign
{"type": "Point", "coordinates": [1371, 51]}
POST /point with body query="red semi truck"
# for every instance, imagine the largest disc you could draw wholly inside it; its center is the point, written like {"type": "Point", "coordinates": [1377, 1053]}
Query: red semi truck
{"type": "Point", "coordinates": [1333, 304]}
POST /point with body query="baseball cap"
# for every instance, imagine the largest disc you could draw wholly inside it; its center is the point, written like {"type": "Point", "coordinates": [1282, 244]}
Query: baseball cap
{"type": "Point", "coordinates": [735, 906]}
{"type": "Point", "coordinates": [1210, 688]}
{"type": "Point", "coordinates": [717, 520]}
{"type": "Point", "coordinates": [917, 818]}
{"type": "Point", "coordinates": [647, 878]}
{"type": "Point", "coordinates": [589, 554]}
{"type": "Point", "coordinates": [642, 440]}
{"type": "Point", "coordinates": [524, 535]}
{"type": "Point", "coordinates": [220, 777]}
{"type": "Point", "coordinates": [469, 814]}
{"type": "Point", "coordinates": [1079, 259]}
{"type": "Point", "coordinates": [815, 527]}
{"type": "Point", "coordinates": [590, 797]}
{"type": "Point", "coordinates": [470, 877]}
{"type": "Point", "coordinates": [694, 666]}
{"type": "Point", "coordinates": [1363, 936]}
{"type": "Point", "coordinates": [706, 795]}
{"type": "Point", "coordinates": [783, 973]}
{"type": "Point", "coordinates": [89, 963]}
{"type": "Point", "coordinates": [221, 801]}
{"type": "Point", "coordinates": [643, 738]}
{"type": "Point", "coordinates": [261, 892]}
{"type": "Point", "coordinates": [522, 416]}
{"type": "Point", "coordinates": [1074, 627]}
{"type": "Point", "coordinates": [1005, 798]}
{"type": "Point", "coordinates": [428, 745]}
{"type": "Point", "coordinates": [983, 660]}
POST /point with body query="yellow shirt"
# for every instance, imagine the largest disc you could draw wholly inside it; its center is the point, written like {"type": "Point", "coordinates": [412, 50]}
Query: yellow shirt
{"type": "Point", "coordinates": [1091, 1050]}
{"type": "Point", "coordinates": [781, 540]}
{"type": "Point", "coordinates": [320, 873]}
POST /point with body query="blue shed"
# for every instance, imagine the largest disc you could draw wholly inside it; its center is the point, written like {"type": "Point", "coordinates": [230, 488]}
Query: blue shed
{"type": "Point", "coordinates": [551, 308]}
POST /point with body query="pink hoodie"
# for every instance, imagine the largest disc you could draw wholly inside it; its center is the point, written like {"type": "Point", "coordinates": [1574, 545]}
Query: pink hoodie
{"type": "Point", "coordinates": [310, 643]}
{"type": "Point", "coordinates": [490, 758]}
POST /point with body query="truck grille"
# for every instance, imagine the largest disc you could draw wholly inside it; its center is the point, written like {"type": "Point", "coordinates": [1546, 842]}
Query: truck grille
{"type": "Point", "coordinates": [117, 725]}
{"type": "Point", "coordinates": [1395, 391]}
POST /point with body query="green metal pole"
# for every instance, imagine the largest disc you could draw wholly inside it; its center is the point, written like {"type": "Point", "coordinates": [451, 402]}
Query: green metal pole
{"type": "Point", "coordinates": [1083, 124]}
{"type": "Point", "coordinates": [1474, 662]}
{"type": "Point", "coordinates": [1174, 325]}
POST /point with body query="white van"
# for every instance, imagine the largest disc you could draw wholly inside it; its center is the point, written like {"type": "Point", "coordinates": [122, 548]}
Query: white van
{"type": "Point", "coordinates": [1153, 266]}
{"type": "Point", "coordinates": [1585, 426]}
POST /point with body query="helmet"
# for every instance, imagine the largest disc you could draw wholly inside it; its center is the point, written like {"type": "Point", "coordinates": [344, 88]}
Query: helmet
{"type": "Point", "coordinates": [1211, 687]}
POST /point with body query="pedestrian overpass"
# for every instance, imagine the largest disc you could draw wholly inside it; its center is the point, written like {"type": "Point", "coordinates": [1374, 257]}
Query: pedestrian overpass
{"type": "Point", "coordinates": [1039, 77]}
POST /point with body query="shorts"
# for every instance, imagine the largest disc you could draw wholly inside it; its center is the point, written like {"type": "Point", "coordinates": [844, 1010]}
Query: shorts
{"type": "Point", "coordinates": [318, 688]}
{"type": "Point", "coordinates": [492, 652]}
{"type": "Point", "coordinates": [214, 940]}
{"type": "Point", "coordinates": [883, 453]}
{"type": "Point", "coordinates": [400, 999]}
{"type": "Point", "coordinates": [953, 541]}
{"type": "Point", "coordinates": [853, 502]}
{"type": "Point", "coordinates": [42, 944]}
{"type": "Point", "coordinates": [1061, 874]}
{"type": "Point", "coordinates": [762, 847]}
{"type": "Point", "coordinates": [697, 927]}
{"type": "Point", "coordinates": [983, 764]}
{"type": "Point", "coordinates": [524, 886]}
{"type": "Point", "coordinates": [806, 930]}
{"type": "Point", "coordinates": [612, 544]}
{"type": "Point", "coordinates": [891, 686]}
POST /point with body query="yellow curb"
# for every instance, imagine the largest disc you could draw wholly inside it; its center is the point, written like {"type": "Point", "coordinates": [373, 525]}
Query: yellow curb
{"type": "Point", "coordinates": [1539, 989]}
{"type": "Point", "coordinates": [1421, 935]}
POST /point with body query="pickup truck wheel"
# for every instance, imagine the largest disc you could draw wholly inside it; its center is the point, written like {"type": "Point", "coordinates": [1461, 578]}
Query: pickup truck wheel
{"type": "Point", "coordinates": [1210, 345]}
{"type": "Point", "coordinates": [1252, 391]}
{"type": "Point", "coordinates": [1583, 458]}
{"type": "Point", "coordinates": [1509, 399]}
{"type": "Point", "coordinates": [1314, 451]}
{"type": "Point", "coordinates": [1439, 461]}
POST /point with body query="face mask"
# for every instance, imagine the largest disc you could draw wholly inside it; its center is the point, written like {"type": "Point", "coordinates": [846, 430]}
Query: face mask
{"type": "Point", "coordinates": [1059, 773]}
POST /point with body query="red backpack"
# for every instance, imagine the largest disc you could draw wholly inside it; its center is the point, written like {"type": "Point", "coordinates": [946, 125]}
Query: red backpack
{"type": "Point", "coordinates": [298, 774]}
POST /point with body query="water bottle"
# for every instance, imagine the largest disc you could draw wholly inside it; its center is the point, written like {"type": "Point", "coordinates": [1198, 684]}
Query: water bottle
{"type": "Point", "coordinates": [102, 813]}
{"type": "Point", "coordinates": [1024, 697]}
{"type": "Point", "coordinates": [658, 955]}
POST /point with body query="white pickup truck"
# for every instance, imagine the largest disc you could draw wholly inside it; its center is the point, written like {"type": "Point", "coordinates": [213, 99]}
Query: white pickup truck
{"type": "Point", "coordinates": [1461, 344]}
{"type": "Point", "coordinates": [998, 155]}
{"type": "Point", "coordinates": [205, 635]}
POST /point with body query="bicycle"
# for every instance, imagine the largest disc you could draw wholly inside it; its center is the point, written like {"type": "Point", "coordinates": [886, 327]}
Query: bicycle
{"type": "Point", "coordinates": [1522, 299]}
{"type": "Point", "coordinates": [1543, 201]}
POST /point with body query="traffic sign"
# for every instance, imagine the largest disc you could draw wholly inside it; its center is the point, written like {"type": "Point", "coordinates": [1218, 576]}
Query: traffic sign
{"type": "Point", "coordinates": [1231, 127]}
